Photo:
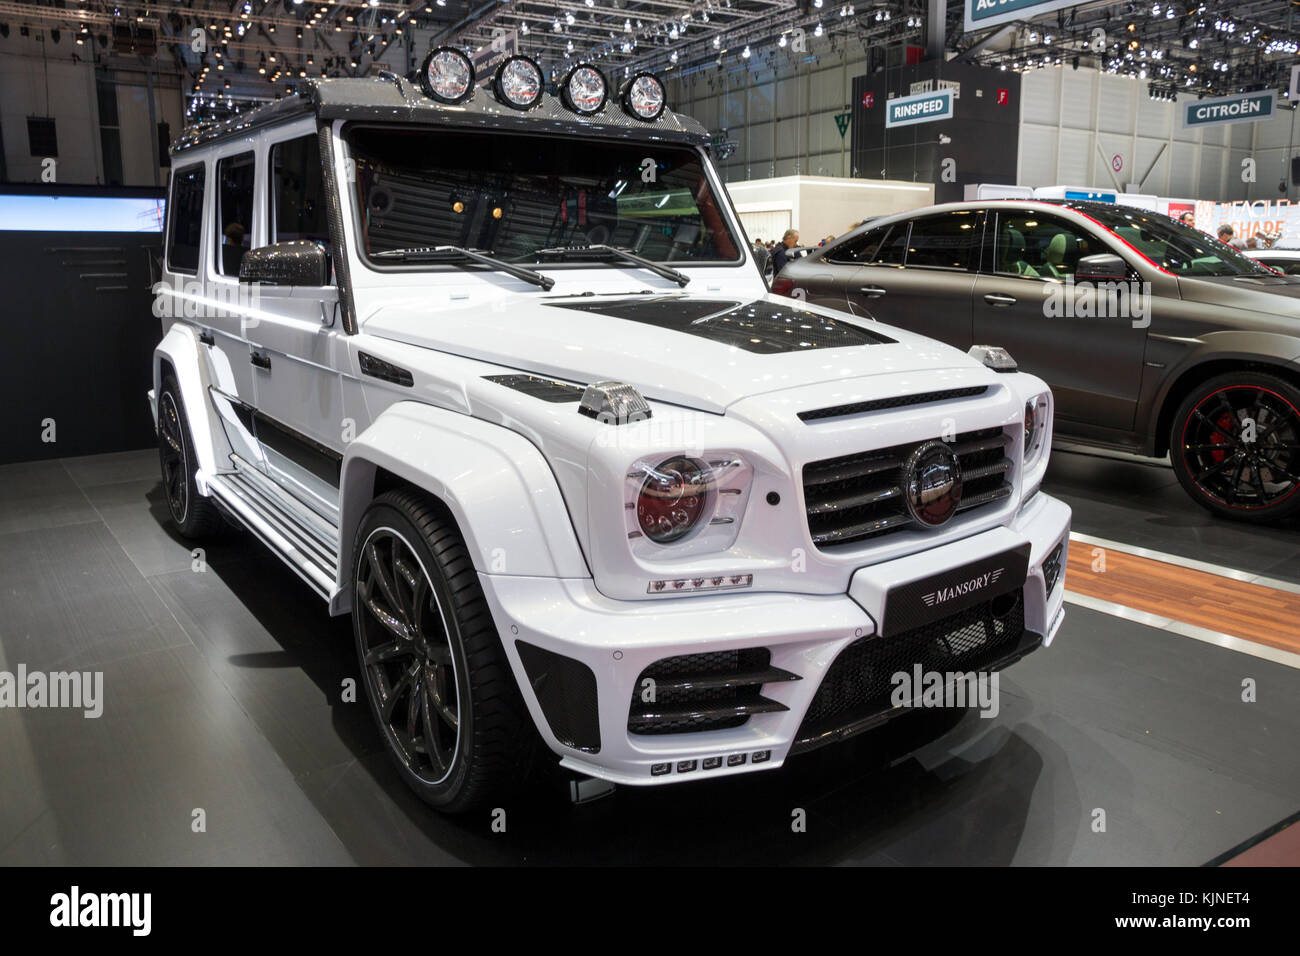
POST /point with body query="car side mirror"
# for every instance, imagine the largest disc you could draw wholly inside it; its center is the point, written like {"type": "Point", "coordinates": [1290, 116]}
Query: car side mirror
{"type": "Point", "coordinates": [763, 258]}
{"type": "Point", "coordinates": [297, 262]}
{"type": "Point", "coordinates": [1102, 267]}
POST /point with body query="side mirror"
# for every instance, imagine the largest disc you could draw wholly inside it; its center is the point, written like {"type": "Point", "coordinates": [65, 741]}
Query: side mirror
{"type": "Point", "coordinates": [1105, 267]}
{"type": "Point", "coordinates": [299, 262]}
{"type": "Point", "coordinates": [764, 260]}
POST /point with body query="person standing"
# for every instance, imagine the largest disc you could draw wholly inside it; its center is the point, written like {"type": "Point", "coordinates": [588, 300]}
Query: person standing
{"type": "Point", "coordinates": [782, 254]}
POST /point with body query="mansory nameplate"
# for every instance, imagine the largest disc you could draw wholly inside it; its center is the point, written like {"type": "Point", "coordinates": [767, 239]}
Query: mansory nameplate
{"type": "Point", "coordinates": [495, 372]}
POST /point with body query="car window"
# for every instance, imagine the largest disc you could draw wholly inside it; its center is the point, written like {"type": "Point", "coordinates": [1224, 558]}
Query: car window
{"type": "Point", "coordinates": [185, 219]}
{"type": "Point", "coordinates": [1289, 266]}
{"type": "Point", "coordinates": [1035, 245]}
{"type": "Point", "coordinates": [297, 192]}
{"type": "Point", "coordinates": [945, 241]}
{"type": "Point", "coordinates": [885, 245]}
{"type": "Point", "coordinates": [234, 219]}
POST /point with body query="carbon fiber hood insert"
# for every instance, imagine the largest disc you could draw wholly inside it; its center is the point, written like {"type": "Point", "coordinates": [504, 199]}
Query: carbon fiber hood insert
{"type": "Point", "coordinates": [763, 327]}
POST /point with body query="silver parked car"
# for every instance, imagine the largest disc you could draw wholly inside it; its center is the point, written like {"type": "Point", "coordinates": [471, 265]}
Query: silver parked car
{"type": "Point", "coordinates": [1154, 337]}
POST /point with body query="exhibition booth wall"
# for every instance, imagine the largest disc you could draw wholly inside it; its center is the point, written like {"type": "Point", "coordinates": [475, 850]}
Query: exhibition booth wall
{"type": "Point", "coordinates": [82, 320]}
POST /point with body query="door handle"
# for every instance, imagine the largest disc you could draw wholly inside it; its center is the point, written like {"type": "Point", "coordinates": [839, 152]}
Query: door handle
{"type": "Point", "coordinates": [872, 291]}
{"type": "Point", "coordinates": [1000, 300]}
{"type": "Point", "coordinates": [260, 361]}
{"type": "Point", "coordinates": [207, 338]}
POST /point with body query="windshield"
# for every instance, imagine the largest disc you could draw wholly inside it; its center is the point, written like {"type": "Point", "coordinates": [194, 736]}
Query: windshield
{"type": "Point", "coordinates": [517, 196]}
{"type": "Point", "coordinates": [1171, 245]}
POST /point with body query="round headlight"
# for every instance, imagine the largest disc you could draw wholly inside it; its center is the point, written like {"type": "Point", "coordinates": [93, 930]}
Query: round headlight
{"type": "Point", "coordinates": [447, 75]}
{"type": "Point", "coordinates": [518, 82]}
{"type": "Point", "coordinates": [584, 90]}
{"type": "Point", "coordinates": [672, 499]}
{"type": "Point", "coordinates": [644, 97]}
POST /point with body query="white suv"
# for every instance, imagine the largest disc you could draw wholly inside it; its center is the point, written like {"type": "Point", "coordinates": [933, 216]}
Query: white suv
{"type": "Point", "coordinates": [496, 372]}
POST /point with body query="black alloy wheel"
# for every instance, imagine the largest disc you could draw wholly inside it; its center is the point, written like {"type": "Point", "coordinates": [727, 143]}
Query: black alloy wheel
{"type": "Point", "coordinates": [195, 516]}
{"type": "Point", "coordinates": [1236, 446]}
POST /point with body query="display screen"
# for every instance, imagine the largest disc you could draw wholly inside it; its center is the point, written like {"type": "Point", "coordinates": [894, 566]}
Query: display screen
{"type": "Point", "coordinates": [80, 214]}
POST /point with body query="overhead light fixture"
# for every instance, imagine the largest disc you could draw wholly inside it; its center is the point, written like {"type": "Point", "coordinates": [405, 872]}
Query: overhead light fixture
{"type": "Point", "coordinates": [447, 75]}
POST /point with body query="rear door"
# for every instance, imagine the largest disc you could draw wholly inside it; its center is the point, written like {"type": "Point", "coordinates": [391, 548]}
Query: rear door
{"type": "Point", "coordinates": [1026, 301]}
{"type": "Point", "coordinates": [930, 292]}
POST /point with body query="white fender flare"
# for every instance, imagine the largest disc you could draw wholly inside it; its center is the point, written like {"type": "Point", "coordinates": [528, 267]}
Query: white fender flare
{"type": "Point", "coordinates": [497, 485]}
{"type": "Point", "coordinates": [180, 349]}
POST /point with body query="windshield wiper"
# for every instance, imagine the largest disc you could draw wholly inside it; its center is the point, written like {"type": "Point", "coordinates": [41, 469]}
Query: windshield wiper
{"type": "Point", "coordinates": [565, 252]}
{"type": "Point", "coordinates": [461, 254]}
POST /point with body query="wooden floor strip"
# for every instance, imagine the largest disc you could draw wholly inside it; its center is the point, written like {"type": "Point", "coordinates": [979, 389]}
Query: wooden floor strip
{"type": "Point", "coordinates": [1249, 611]}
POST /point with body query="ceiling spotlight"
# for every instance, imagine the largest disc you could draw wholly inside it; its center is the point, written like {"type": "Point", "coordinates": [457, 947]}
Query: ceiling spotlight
{"type": "Point", "coordinates": [745, 52]}
{"type": "Point", "coordinates": [781, 42]}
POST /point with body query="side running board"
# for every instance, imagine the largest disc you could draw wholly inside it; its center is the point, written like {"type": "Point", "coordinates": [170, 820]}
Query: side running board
{"type": "Point", "coordinates": [302, 540]}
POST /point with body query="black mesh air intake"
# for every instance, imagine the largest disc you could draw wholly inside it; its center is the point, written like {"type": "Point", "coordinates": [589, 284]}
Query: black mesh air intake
{"type": "Point", "coordinates": [696, 692]}
{"type": "Point", "coordinates": [855, 693]}
{"type": "Point", "coordinates": [856, 497]}
{"type": "Point", "coordinates": [566, 692]}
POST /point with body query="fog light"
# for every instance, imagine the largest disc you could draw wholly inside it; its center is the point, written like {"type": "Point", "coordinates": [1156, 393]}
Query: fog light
{"type": "Point", "coordinates": [644, 97]}
{"type": "Point", "coordinates": [518, 83]}
{"type": "Point", "coordinates": [447, 75]}
{"type": "Point", "coordinates": [584, 90]}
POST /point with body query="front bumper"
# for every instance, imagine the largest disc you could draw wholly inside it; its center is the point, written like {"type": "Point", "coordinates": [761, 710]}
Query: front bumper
{"type": "Point", "coordinates": [580, 699]}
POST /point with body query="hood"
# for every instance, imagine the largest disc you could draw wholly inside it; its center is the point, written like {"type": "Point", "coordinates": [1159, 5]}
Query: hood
{"type": "Point", "coordinates": [704, 352]}
{"type": "Point", "coordinates": [1268, 294]}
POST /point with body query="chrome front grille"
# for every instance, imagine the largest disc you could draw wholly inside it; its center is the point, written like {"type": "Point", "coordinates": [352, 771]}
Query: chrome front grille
{"type": "Point", "coordinates": [860, 496]}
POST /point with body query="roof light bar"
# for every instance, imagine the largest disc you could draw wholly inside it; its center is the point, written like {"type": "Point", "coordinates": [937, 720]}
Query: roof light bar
{"type": "Point", "coordinates": [447, 75]}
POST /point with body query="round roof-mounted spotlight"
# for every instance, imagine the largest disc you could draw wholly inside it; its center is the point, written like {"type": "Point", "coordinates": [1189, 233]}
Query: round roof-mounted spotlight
{"type": "Point", "coordinates": [447, 75]}
{"type": "Point", "coordinates": [518, 83]}
{"type": "Point", "coordinates": [584, 89]}
{"type": "Point", "coordinates": [644, 97]}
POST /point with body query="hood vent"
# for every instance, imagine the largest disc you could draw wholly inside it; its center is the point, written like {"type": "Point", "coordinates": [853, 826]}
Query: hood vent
{"type": "Point", "coordinates": [896, 401]}
{"type": "Point", "coordinates": [548, 390]}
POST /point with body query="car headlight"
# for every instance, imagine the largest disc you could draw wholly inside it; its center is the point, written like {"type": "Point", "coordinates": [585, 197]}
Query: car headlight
{"type": "Point", "coordinates": [672, 499]}
{"type": "Point", "coordinates": [644, 97]}
{"type": "Point", "coordinates": [518, 83]}
{"type": "Point", "coordinates": [584, 90]}
{"type": "Point", "coordinates": [1037, 410]}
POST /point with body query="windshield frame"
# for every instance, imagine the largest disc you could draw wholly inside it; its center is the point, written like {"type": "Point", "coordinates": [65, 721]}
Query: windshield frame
{"type": "Point", "coordinates": [1102, 215]}
{"type": "Point", "coordinates": [718, 188]}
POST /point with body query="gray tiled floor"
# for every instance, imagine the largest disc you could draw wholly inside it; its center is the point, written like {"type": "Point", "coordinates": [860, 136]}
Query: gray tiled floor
{"type": "Point", "coordinates": [223, 693]}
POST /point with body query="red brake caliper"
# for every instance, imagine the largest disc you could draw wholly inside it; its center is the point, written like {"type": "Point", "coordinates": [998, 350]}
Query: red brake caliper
{"type": "Point", "coordinates": [1224, 422]}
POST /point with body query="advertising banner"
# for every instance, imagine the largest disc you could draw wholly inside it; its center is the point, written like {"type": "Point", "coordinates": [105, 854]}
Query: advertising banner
{"type": "Point", "coordinates": [921, 108]}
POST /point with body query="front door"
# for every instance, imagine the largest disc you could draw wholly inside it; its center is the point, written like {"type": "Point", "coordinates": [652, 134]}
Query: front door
{"type": "Point", "coordinates": [1025, 301]}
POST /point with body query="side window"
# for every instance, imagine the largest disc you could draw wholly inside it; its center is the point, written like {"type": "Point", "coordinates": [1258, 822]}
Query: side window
{"type": "Point", "coordinates": [883, 245]}
{"type": "Point", "coordinates": [297, 192]}
{"type": "Point", "coordinates": [185, 219]}
{"type": "Point", "coordinates": [234, 218]}
{"type": "Point", "coordinates": [1034, 245]}
{"type": "Point", "coordinates": [946, 241]}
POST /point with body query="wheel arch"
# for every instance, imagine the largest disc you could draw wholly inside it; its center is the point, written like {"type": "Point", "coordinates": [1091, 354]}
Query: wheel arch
{"type": "Point", "coordinates": [1197, 372]}
{"type": "Point", "coordinates": [178, 352]}
{"type": "Point", "coordinates": [493, 482]}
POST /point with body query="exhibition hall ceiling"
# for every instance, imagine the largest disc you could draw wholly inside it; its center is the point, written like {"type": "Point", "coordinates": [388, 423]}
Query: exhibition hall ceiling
{"type": "Point", "coordinates": [242, 51]}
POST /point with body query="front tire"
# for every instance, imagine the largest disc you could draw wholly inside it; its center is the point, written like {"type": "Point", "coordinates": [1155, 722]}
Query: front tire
{"type": "Point", "coordinates": [437, 678]}
{"type": "Point", "coordinates": [194, 515]}
{"type": "Point", "coordinates": [1235, 446]}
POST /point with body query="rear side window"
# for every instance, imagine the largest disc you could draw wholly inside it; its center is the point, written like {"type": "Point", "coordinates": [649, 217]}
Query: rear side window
{"type": "Point", "coordinates": [946, 241]}
{"type": "Point", "coordinates": [885, 245]}
{"type": "Point", "coordinates": [234, 219]}
{"type": "Point", "coordinates": [297, 192]}
{"type": "Point", "coordinates": [185, 219]}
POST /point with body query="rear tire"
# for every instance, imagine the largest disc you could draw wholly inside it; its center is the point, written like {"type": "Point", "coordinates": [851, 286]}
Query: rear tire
{"type": "Point", "coordinates": [194, 515]}
{"type": "Point", "coordinates": [437, 678]}
{"type": "Point", "coordinates": [1235, 446]}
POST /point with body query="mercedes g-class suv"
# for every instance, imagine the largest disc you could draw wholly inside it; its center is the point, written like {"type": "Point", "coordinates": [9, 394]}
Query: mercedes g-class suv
{"type": "Point", "coordinates": [495, 371]}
